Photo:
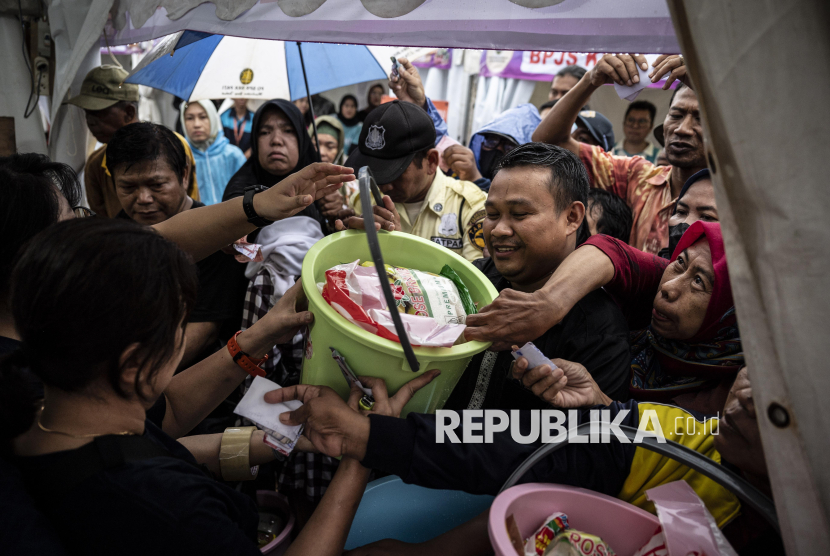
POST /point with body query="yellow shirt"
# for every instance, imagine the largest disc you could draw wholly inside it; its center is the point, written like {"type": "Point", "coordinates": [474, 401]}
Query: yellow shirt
{"type": "Point", "coordinates": [650, 469]}
{"type": "Point", "coordinates": [452, 216]}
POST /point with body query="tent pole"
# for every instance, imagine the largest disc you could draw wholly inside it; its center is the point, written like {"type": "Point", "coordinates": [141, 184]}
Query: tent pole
{"type": "Point", "coordinates": [310, 106]}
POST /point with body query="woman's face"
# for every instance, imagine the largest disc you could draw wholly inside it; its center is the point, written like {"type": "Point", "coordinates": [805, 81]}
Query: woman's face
{"type": "Point", "coordinates": [349, 108]}
{"type": "Point", "coordinates": [684, 293]}
{"type": "Point", "coordinates": [697, 204]}
{"type": "Point", "coordinates": [375, 95]}
{"type": "Point", "coordinates": [302, 104]}
{"type": "Point", "coordinates": [196, 122]}
{"type": "Point", "coordinates": [277, 143]}
{"type": "Point", "coordinates": [328, 147]}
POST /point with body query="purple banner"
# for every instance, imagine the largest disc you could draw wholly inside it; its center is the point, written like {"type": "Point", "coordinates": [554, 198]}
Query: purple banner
{"type": "Point", "coordinates": [441, 59]}
{"type": "Point", "coordinates": [536, 65]}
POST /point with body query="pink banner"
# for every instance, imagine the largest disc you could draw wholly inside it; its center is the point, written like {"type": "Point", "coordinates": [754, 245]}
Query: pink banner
{"type": "Point", "coordinates": [537, 65]}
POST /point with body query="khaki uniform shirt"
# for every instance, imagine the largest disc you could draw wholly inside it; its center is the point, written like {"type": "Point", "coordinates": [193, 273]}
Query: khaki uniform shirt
{"type": "Point", "coordinates": [452, 216]}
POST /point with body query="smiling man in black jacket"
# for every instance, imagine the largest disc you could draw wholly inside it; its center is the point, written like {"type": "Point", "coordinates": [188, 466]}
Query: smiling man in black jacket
{"type": "Point", "coordinates": [534, 209]}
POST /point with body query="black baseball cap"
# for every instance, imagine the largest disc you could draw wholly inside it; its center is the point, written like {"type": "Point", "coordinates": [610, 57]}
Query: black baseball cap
{"type": "Point", "coordinates": [599, 127]}
{"type": "Point", "coordinates": [392, 133]}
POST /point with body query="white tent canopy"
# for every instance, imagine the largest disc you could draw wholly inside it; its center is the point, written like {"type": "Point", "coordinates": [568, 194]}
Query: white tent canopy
{"type": "Point", "coordinates": [570, 25]}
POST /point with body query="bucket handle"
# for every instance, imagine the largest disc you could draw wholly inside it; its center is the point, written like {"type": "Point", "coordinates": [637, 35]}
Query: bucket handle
{"type": "Point", "coordinates": [369, 188]}
{"type": "Point", "coordinates": [700, 463]}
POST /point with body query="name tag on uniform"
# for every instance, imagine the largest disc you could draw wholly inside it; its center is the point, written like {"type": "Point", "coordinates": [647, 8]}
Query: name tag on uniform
{"type": "Point", "coordinates": [449, 242]}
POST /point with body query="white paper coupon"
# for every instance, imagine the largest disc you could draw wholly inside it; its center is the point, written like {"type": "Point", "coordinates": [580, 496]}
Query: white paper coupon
{"type": "Point", "coordinates": [266, 416]}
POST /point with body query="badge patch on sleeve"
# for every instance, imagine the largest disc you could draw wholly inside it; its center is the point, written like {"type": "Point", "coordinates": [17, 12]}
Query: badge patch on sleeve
{"type": "Point", "coordinates": [448, 242]}
{"type": "Point", "coordinates": [476, 233]}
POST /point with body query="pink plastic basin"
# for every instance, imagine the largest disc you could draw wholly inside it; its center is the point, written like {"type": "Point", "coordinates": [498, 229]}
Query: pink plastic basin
{"type": "Point", "coordinates": [624, 527]}
{"type": "Point", "coordinates": [276, 502]}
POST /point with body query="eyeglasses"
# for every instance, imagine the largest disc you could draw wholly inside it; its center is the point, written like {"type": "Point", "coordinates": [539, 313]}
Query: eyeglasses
{"type": "Point", "coordinates": [642, 122]}
{"type": "Point", "coordinates": [493, 141]}
{"type": "Point", "coordinates": [82, 212]}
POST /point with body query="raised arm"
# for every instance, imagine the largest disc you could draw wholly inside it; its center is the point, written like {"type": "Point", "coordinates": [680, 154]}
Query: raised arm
{"type": "Point", "coordinates": [516, 317]}
{"type": "Point", "coordinates": [195, 392]}
{"type": "Point", "coordinates": [204, 230]}
{"type": "Point", "coordinates": [555, 129]}
{"type": "Point", "coordinates": [410, 88]}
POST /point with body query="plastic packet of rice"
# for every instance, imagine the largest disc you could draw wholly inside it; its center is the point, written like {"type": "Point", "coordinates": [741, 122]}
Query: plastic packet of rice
{"type": "Point", "coordinates": [430, 306]}
{"type": "Point", "coordinates": [266, 416]}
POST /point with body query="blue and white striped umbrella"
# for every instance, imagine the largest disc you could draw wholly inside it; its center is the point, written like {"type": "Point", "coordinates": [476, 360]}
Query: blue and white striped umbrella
{"type": "Point", "coordinates": [196, 66]}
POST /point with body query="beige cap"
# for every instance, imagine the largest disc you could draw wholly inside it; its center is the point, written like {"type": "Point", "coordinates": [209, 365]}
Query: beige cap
{"type": "Point", "coordinates": [103, 87]}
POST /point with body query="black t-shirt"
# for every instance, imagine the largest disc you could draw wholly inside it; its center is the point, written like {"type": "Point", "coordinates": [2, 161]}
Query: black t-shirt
{"type": "Point", "coordinates": [25, 530]}
{"type": "Point", "coordinates": [159, 506]}
{"type": "Point", "coordinates": [8, 345]}
{"type": "Point", "coordinates": [222, 286]}
{"type": "Point", "coordinates": [594, 333]}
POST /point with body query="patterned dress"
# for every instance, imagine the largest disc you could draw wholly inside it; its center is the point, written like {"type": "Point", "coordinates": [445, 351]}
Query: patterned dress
{"type": "Point", "coordinates": [300, 471]}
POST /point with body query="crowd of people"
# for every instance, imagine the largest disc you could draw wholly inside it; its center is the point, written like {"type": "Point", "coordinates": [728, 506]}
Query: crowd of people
{"type": "Point", "coordinates": [129, 329]}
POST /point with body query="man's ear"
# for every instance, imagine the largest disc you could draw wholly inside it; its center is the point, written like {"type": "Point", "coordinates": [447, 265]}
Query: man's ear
{"type": "Point", "coordinates": [130, 113]}
{"type": "Point", "coordinates": [575, 215]}
{"type": "Point", "coordinates": [432, 161]}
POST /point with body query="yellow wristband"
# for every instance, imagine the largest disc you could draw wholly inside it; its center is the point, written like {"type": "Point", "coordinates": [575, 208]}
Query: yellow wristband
{"type": "Point", "coordinates": [235, 454]}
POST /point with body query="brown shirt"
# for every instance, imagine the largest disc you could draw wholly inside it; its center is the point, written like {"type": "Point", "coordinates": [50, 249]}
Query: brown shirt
{"type": "Point", "coordinates": [643, 186]}
{"type": "Point", "coordinates": [100, 189]}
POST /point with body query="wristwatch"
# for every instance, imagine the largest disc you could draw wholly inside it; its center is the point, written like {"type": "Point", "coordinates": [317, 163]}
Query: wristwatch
{"type": "Point", "coordinates": [248, 206]}
{"type": "Point", "coordinates": [249, 365]}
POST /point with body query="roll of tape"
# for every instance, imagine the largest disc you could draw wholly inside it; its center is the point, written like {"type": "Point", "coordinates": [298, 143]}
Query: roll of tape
{"type": "Point", "coordinates": [235, 454]}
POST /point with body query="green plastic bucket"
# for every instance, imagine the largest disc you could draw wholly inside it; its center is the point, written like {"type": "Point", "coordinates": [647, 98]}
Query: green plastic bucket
{"type": "Point", "coordinates": [367, 353]}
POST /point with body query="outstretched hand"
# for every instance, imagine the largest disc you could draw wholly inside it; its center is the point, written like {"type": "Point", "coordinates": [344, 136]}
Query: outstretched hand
{"type": "Point", "coordinates": [331, 205]}
{"type": "Point", "coordinates": [570, 385]}
{"type": "Point", "coordinates": [386, 218]}
{"type": "Point", "coordinates": [618, 68]}
{"type": "Point", "coordinates": [514, 317]}
{"type": "Point", "coordinates": [409, 87]}
{"type": "Point", "coordinates": [672, 64]}
{"type": "Point", "coordinates": [385, 405]}
{"type": "Point", "coordinates": [300, 189]}
{"type": "Point", "coordinates": [289, 315]}
{"type": "Point", "coordinates": [462, 161]}
{"type": "Point", "coordinates": [336, 428]}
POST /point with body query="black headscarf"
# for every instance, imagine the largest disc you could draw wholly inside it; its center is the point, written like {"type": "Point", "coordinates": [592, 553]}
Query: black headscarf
{"type": "Point", "coordinates": [363, 113]}
{"type": "Point", "coordinates": [348, 122]}
{"type": "Point", "coordinates": [252, 172]}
